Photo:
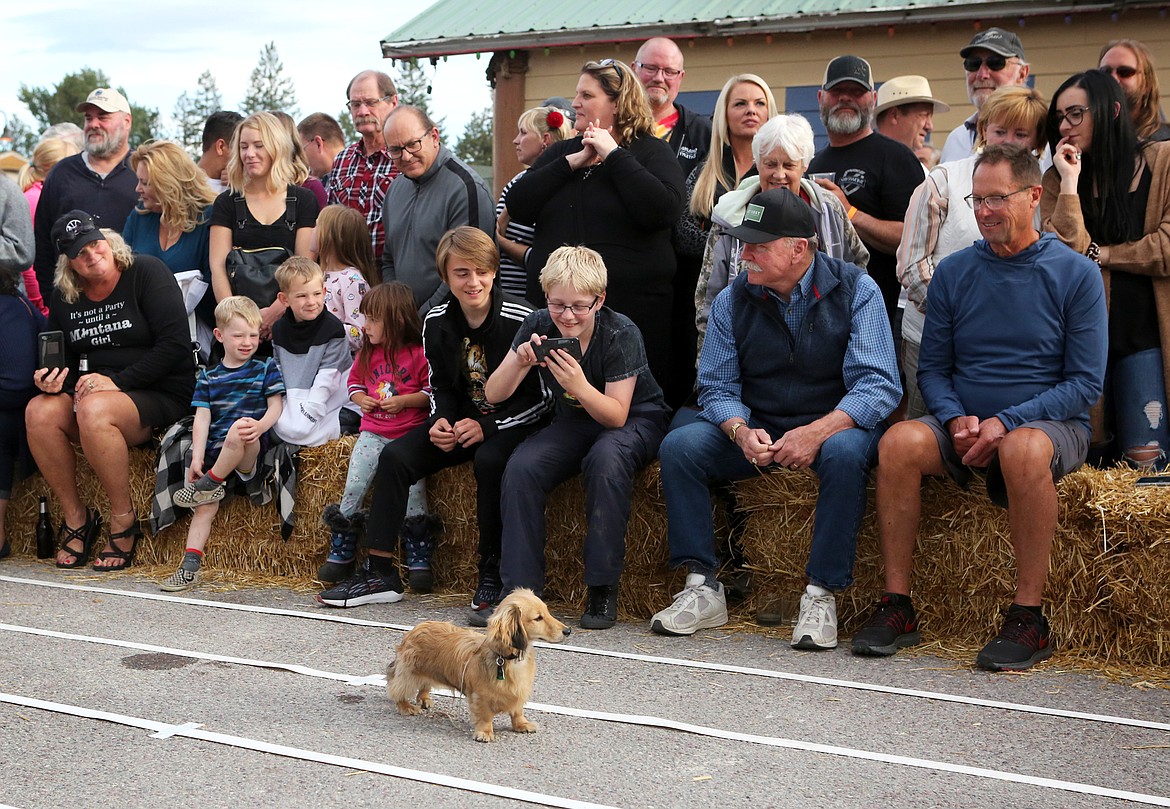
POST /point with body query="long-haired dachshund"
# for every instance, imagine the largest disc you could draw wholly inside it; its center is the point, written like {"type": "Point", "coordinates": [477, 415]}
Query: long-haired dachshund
{"type": "Point", "coordinates": [494, 671]}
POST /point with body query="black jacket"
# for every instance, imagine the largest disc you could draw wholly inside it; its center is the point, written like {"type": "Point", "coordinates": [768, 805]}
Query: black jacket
{"type": "Point", "coordinates": [690, 140]}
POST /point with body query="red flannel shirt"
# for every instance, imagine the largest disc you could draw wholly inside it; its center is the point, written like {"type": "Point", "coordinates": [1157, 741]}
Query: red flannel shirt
{"type": "Point", "coordinates": [359, 181]}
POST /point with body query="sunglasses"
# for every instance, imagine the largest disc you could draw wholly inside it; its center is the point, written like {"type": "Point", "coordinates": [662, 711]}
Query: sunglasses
{"type": "Point", "coordinates": [995, 63]}
{"type": "Point", "coordinates": [70, 238]}
{"type": "Point", "coordinates": [612, 63]}
{"type": "Point", "coordinates": [1123, 72]}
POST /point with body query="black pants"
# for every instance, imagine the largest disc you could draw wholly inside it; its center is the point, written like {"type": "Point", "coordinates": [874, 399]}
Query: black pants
{"type": "Point", "coordinates": [413, 457]}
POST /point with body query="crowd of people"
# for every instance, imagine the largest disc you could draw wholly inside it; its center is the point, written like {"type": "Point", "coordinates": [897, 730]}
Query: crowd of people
{"type": "Point", "coordinates": [712, 293]}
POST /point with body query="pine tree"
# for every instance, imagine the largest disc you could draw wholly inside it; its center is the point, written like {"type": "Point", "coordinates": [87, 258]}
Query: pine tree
{"type": "Point", "coordinates": [267, 88]}
{"type": "Point", "coordinates": [475, 145]}
{"type": "Point", "coordinates": [191, 113]}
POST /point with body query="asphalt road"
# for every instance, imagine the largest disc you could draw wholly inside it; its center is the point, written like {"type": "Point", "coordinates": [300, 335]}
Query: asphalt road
{"type": "Point", "coordinates": [96, 689]}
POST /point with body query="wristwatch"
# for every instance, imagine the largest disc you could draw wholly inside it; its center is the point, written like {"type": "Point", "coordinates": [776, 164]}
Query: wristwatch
{"type": "Point", "coordinates": [734, 428]}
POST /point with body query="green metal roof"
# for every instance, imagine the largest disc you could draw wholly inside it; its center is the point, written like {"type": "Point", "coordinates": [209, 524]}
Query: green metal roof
{"type": "Point", "coordinates": [470, 26]}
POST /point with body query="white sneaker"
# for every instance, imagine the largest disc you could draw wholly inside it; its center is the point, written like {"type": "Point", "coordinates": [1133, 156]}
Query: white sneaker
{"type": "Point", "coordinates": [696, 607]}
{"type": "Point", "coordinates": [816, 628]}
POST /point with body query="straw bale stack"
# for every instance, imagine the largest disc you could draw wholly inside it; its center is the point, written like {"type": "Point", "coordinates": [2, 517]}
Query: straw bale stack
{"type": "Point", "coordinates": [1108, 585]}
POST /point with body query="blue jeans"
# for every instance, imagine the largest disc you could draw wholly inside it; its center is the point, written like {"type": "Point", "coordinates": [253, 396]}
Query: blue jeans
{"type": "Point", "coordinates": [607, 460]}
{"type": "Point", "coordinates": [1139, 405]}
{"type": "Point", "coordinates": [698, 453]}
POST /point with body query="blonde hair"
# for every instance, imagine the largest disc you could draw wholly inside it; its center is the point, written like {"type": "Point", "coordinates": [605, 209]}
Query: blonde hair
{"type": "Point", "coordinates": [576, 267]}
{"type": "Point", "coordinates": [68, 282]}
{"type": "Point", "coordinates": [180, 185]}
{"type": "Point", "coordinates": [276, 142]}
{"type": "Point", "coordinates": [343, 240]}
{"type": "Point", "coordinates": [632, 114]}
{"type": "Point", "coordinates": [470, 244]}
{"type": "Point", "coordinates": [297, 268]}
{"type": "Point", "coordinates": [536, 120]}
{"type": "Point", "coordinates": [44, 157]}
{"type": "Point", "coordinates": [713, 173]}
{"type": "Point", "coordinates": [299, 158]}
{"type": "Point", "coordinates": [237, 306]}
{"type": "Point", "coordinates": [1015, 108]}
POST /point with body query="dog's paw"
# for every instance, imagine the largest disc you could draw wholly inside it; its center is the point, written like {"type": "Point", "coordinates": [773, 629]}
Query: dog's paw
{"type": "Point", "coordinates": [485, 735]}
{"type": "Point", "coordinates": [408, 708]}
{"type": "Point", "coordinates": [525, 726]}
{"type": "Point", "coordinates": [424, 701]}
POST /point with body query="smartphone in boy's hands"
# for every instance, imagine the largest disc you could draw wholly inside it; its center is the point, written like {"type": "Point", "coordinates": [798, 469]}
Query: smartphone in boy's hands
{"type": "Point", "coordinates": [51, 350]}
{"type": "Point", "coordinates": [570, 344]}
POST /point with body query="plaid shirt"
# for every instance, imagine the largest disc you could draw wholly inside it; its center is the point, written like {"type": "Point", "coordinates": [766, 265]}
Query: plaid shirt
{"type": "Point", "coordinates": [360, 182]}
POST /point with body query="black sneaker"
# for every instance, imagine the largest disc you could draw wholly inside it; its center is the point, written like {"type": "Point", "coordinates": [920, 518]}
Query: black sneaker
{"type": "Point", "coordinates": [600, 607]}
{"type": "Point", "coordinates": [483, 603]}
{"type": "Point", "coordinates": [367, 586]}
{"type": "Point", "coordinates": [1022, 643]}
{"type": "Point", "coordinates": [890, 628]}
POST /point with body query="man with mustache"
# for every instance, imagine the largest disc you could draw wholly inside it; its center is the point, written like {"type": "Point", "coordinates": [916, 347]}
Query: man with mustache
{"type": "Point", "coordinates": [98, 181]}
{"type": "Point", "coordinates": [797, 372]}
{"type": "Point", "coordinates": [362, 173]}
{"type": "Point", "coordinates": [994, 58]}
{"type": "Point", "coordinates": [874, 176]}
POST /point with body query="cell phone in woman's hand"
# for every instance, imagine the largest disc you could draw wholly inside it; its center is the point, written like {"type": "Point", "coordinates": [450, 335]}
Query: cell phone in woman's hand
{"type": "Point", "coordinates": [51, 350]}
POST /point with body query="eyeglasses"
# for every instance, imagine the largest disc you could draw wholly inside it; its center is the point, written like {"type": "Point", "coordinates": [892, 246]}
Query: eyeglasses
{"type": "Point", "coordinates": [1123, 71]}
{"type": "Point", "coordinates": [653, 70]}
{"type": "Point", "coordinates": [1074, 115]}
{"type": "Point", "coordinates": [412, 146]}
{"type": "Point", "coordinates": [356, 104]}
{"type": "Point", "coordinates": [576, 308]}
{"type": "Point", "coordinates": [995, 202]}
{"type": "Point", "coordinates": [995, 63]}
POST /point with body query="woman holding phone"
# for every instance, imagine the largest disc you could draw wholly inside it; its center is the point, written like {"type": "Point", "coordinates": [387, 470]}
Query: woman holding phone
{"type": "Point", "coordinates": [124, 315]}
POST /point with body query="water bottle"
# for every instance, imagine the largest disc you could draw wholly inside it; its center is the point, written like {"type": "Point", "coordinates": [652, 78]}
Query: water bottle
{"type": "Point", "coordinates": [44, 532]}
{"type": "Point", "coordinates": [82, 370]}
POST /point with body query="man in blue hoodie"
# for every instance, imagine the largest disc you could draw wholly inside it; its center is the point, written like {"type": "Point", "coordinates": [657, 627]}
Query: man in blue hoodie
{"type": "Point", "coordinates": [1013, 355]}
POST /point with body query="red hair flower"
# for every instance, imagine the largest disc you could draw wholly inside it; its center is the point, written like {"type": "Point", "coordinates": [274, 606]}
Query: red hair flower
{"type": "Point", "coordinates": [554, 119]}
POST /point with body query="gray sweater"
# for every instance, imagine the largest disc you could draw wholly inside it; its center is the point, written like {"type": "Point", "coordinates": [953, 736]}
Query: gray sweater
{"type": "Point", "coordinates": [417, 213]}
{"type": "Point", "coordinates": [17, 246]}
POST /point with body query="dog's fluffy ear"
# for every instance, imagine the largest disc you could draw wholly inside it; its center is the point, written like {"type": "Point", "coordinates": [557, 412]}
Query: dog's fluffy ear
{"type": "Point", "coordinates": [506, 633]}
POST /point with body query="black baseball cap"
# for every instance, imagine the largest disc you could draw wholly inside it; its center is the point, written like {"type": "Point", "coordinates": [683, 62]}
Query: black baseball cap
{"type": "Point", "coordinates": [73, 231]}
{"type": "Point", "coordinates": [996, 40]}
{"type": "Point", "coordinates": [773, 215]}
{"type": "Point", "coordinates": [848, 68]}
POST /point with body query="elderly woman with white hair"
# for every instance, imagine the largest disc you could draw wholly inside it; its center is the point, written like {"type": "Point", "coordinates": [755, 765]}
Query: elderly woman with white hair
{"type": "Point", "coordinates": [782, 150]}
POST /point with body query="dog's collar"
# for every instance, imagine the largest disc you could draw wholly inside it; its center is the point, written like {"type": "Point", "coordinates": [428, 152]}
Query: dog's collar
{"type": "Point", "coordinates": [500, 663]}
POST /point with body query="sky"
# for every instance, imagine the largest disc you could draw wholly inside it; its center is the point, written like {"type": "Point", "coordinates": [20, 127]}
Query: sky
{"type": "Point", "coordinates": [156, 49]}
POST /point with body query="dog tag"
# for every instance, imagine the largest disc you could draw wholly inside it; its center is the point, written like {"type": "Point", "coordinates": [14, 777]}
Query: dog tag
{"type": "Point", "coordinates": [499, 668]}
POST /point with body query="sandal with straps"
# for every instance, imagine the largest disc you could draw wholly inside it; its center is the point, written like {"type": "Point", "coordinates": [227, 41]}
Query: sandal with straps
{"type": "Point", "coordinates": [134, 531]}
{"type": "Point", "coordinates": [86, 535]}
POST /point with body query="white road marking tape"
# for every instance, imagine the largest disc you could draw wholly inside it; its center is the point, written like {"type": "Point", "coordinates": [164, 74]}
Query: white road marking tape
{"type": "Point", "coordinates": [668, 661]}
{"type": "Point", "coordinates": [186, 731]}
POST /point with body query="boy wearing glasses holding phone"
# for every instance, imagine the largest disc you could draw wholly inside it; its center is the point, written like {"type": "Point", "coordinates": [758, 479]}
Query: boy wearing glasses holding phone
{"type": "Point", "coordinates": [608, 421]}
{"type": "Point", "coordinates": [994, 58]}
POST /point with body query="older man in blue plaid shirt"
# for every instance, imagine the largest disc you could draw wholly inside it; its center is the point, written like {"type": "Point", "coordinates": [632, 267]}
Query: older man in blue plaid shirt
{"type": "Point", "coordinates": [798, 371]}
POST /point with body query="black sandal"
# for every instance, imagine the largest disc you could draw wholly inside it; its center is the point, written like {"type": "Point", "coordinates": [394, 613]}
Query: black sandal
{"type": "Point", "coordinates": [134, 531]}
{"type": "Point", "coordinates": [86, 535]}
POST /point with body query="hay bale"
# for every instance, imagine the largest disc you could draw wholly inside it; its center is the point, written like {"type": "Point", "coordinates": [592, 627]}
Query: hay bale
{"type": "Point", "coordinates": [1108, 582]}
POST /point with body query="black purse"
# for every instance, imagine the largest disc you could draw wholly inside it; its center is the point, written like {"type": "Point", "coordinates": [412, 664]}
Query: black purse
{"type": "Point", "coordinates": [252, 271]}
